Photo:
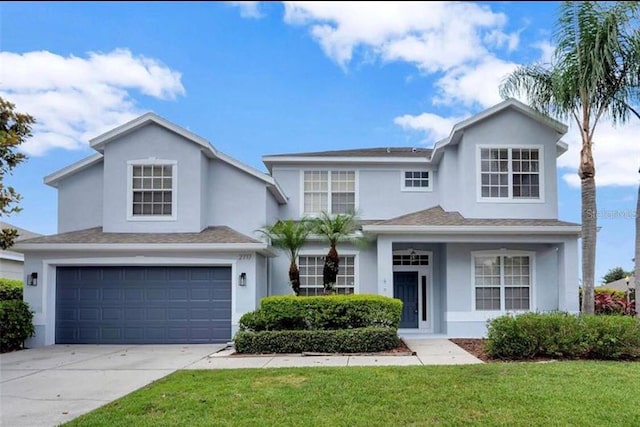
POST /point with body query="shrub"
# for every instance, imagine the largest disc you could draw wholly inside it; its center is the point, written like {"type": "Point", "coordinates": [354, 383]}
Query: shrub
{"type": "Point", "coordinates": [614, 302]}
{"type": "Point", "coordinates": [360, 340]}
{"type": "Point", "coordinates": [612, 337]}
{"type": "Point", "coordinates": [324, 313]}
{"type": "Point", "coordinates": [10, 289]}
{"type": "Point", "coordinates": [563, 335]}
{"type": "Point", "coordinates": [17, 325]}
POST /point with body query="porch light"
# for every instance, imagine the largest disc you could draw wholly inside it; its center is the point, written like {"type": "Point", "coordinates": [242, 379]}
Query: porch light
{"type": "Point", "coordinates": [413, 256]}
{"type": "Point", "coordinates": [33, 279]}
{"type": "Point", "coordinates": [243, 279]}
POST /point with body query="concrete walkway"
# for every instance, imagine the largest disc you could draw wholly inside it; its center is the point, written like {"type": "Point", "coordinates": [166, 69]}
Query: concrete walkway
{"type": "Point", "coordinates": [51, 385]}
{"type": "Point", "coordinates": [428, 352]}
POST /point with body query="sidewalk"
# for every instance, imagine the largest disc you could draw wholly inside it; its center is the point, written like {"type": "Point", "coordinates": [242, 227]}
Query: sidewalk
{"type": "Point", "coordinates": [428, 352]}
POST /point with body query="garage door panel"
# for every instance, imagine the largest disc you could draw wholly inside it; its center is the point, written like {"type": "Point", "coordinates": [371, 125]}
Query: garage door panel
{"type": "Point", "coordinates": [114, 309]}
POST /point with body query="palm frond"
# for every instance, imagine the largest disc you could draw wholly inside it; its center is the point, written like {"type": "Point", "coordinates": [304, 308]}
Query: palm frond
{"type": "Point", "coordinates": [288, 235]}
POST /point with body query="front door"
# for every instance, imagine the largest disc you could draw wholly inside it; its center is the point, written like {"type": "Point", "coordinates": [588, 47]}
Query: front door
{"type": "Point", "coordinates": [405, 288]}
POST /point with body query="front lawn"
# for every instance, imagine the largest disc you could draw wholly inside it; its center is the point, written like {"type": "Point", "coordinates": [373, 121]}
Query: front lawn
{"type": "Point", "coordinates": [559, 393]}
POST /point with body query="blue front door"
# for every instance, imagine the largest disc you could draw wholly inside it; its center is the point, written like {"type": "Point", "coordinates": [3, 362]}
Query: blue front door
{"type": "Point", "coordinates": [405, 288]}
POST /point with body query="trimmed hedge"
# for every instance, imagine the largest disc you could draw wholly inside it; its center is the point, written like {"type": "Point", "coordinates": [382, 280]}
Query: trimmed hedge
{"type": "Point", "coordinates": [563, 335]}
{"type": "Point", "coordinates": [16, 322]}
{"type": "Point", "coordinates": [10, 289]}
{"type": "Point", "coordinates": [361, 340]}
{"type": "Point", "coordinates": [330, 312]}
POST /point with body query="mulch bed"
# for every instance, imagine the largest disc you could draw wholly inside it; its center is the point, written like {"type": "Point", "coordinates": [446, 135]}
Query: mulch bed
{"type": "Point", "coordinates": [474, 346]}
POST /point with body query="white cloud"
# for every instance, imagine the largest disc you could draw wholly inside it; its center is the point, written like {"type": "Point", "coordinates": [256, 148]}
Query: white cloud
{"type": "Point", "coordinates": [74, 99]}
{"type": "Point", "coordinates": [420, 33]}
{"type": "Point", "coordinates": [615, 151]}
{"type": "Point", "coordinates": [546, 51]}
{"type": "Point", "coordinates": [474, 84]}
{"type": "Point", "coordinates": [248, 9]}
{"type": "Point", "coordinates": [434, 126]}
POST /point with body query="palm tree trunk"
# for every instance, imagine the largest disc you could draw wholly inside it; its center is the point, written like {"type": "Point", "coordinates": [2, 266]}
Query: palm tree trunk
{"type": "Point", "coordinates": [294, 277]}
{"type": "Point", "coordinates": [589, 226]}
{"type": "Point", "coordinates": [636, 266]}
{"type": "Point", "coordinates": [330, 270]}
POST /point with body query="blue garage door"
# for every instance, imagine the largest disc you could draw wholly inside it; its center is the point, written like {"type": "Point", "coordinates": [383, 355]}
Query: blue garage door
{"type": "Point", "coordinates": [143, 305]}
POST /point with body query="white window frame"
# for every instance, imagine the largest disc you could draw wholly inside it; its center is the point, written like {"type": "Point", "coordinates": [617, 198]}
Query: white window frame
{"type": "Point", "coordinates": [174, 189]}
{"type": "Point", "coordinates": [510, 198]}
{"type": "Point", "coordinates": [532, 280]}
{"type": "Point", "coordinates": [356, 178]}
{"type": "Point", "coordinates": [403, 179]}
{"type": "Point", "coordinates": [354, 254]}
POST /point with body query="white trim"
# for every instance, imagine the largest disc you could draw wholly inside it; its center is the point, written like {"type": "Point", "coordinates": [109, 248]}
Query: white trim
{"type": "Point", "coordinates": [52, 179]}
{"type": "Point", "coordinates": [475, 229]}
{"type": "Point", "coordinates": [345, 252]}
{"type": "Point", "coordinates": [502, 253]}
{"type": "Point", "coordinates": [510, 198]}
{"type": "Point", "coordinates": [12, 256]}
{"type": "Point", "coordinates": [329, 170]}
{"type": "Point", "coordinates": [174, 189]}
{"type": "Point", "coordinates": [422, 270]}
{"type": "Point", "coordinates": [261, 248]}
{"type": "Point", "coordinates": [47, 316]}
{"type": "Point", "coordinates": [403, 181]}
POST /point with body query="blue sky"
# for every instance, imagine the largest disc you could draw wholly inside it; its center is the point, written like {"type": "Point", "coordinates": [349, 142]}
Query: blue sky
{"type": "Point", "coordinates": [258, 79]}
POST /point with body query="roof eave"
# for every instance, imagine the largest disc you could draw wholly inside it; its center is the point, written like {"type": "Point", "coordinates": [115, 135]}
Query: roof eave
{"type": "Point", "coordinates": [472, 229]}
{"type": "Point", "coordinates": [261, 248]}
{"type": "Point", "coordinates": [53, 179]}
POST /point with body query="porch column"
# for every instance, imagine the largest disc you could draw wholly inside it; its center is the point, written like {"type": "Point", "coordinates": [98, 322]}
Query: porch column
{"type": "Point", "coordinates": [568, 276]}
{"type": "Point", "coordinates": [385, 266]}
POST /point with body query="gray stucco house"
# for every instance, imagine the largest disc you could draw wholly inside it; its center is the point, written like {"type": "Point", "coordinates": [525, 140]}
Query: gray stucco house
{"type": "Point", "coordinates": [157, 239]}
{"type": "Point", "coordinates": [11, 262]}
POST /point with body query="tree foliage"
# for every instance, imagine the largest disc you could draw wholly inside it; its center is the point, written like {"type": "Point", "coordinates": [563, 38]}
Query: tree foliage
{"type": "Point", "coordinates": [335, 229]}
{"type": "Point", "coordinates": [615, 273]}
{"type": "Point", "coordinates": [290, 236]}
{"type": "Point", "coordinates": [594, 74]}
{"type": "Point", "coordinates": [15, 128]}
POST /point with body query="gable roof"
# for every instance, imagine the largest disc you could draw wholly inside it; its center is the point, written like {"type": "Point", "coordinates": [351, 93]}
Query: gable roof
{"type": "Point", "coordinates": [218, 238]}
{"type": "Point", "coordinates": [620, 284]}
{"type": "Point", "coordinates": [98, 143]}
{"type": "Point", "coordinates": [419, 155]}
{"type": "Point", "coordinates": [436, 219]}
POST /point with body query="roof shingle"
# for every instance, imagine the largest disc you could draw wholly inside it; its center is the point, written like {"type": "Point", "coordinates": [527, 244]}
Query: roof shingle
{"type": "Point", "coordinates": [436, 216]}
{"type": "Point", "coordinates": [217, 234]}
{"type": "Point", "coordinates": [365, 152]}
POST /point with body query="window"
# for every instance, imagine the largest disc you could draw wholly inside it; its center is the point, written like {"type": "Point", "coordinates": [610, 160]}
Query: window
{"type": "Point", "coordinates": [416, 181]}
{"type": "Point", "coordinates": [311, 275]}
{"type": "Point", "coordinates": [510, 173]}
{"type": "Point", "coordinates": [502, 282]}
{"type": "Point", "coordinates": [329, 191]}
{"type": "Point", "coordinates": [152, 191]}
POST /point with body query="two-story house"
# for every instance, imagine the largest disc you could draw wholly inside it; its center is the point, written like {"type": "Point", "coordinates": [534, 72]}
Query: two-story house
{"type": "Point", "coordinates": [157, 238]}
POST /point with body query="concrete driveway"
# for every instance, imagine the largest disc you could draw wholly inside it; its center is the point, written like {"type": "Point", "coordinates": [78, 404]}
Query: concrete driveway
{"type": "Point", "coordinates": [51, 385]}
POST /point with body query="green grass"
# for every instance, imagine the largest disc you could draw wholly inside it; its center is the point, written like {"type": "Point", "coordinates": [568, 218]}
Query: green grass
{"type": "Point", "coordinates": [513, 394]}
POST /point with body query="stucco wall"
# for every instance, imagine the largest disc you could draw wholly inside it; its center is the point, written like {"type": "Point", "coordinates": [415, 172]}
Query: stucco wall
{"type": "Point", "coordinates": [11, 269]}
{"type": "Point", "coordinates": [505, 128]}
{"type": "Point", "coordinates": [236, 199]}
{"type": "Point", "coordinates": [152, 141]}
{"type": "Point", "coordinates": [80, 200]}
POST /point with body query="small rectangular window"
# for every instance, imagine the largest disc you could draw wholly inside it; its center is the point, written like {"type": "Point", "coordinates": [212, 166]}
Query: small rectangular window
{"type": "Point", "coordinates": [416, 181]}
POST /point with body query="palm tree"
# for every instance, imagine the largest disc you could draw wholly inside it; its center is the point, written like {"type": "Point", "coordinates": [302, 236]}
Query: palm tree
{"type": "Point", "coordinates": [289, 236]}
{"type": "Point", "coordinates": [334, 229]}
{"type": "Point", "coordinates": [595, 73]}
{"type": "Point", "coordinates": [636, 260]}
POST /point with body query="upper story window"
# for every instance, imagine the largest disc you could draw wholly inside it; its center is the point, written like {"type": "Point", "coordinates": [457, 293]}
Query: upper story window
{"type": "Point", "coordinates": [502, 282]}
{"type": "Point", "coordinates": [152, 190]}
{"type": "Point", "coordinates": [511, 173]}
{"type": "Point", "coordinates": [416, 181]}
{"type": "Point", "coordinates": [329, 191]}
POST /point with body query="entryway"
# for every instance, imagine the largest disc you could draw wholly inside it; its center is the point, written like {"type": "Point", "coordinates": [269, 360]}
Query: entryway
{"type": "Point", "coordinates": [412, 285]}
